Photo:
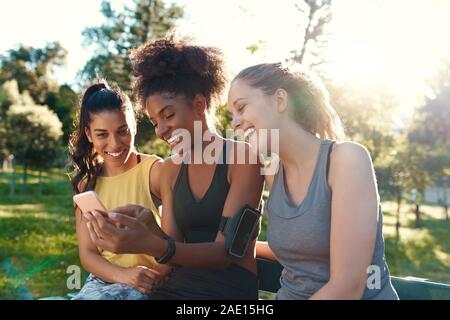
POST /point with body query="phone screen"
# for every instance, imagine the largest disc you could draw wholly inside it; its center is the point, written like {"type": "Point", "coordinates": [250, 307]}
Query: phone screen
{"type": "Point", "coordinates": [244, 232]}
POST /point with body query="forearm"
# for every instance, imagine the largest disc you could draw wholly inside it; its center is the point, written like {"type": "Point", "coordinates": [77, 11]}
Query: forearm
{"type": "Point", "coordinates": [101, 268]}
{"type": "Point", "coordinates": [194, 255]}
{"type": "Point", "coordinates": [263, 251]}
{"type": "Point", "coordinates": [338, 291]}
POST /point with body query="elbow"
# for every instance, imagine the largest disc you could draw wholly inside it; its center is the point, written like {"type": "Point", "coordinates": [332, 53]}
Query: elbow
{"type": "Point", "coordinates": [86, 261]}
{"type": "Point", "coordinates": [85, 264]}
{"type": "Point", "coordinates": [348, 288]}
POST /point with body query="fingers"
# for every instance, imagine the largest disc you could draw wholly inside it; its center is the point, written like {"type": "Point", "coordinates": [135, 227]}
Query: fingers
{"type": "Point", "coordinates": [146, 285]}
{"type": "Point", "coordinates": [124, 220]}
{"type": "Point", "coordinates": [131, 210]}
{"type": "Point", "coordinates": [96, 240]}
{"type": "Point", "coordinates": [103, 228]}
{"type": "Point", "coordinates": [152, 274]}
{"type": "Point", "coordinates": [105, 236]}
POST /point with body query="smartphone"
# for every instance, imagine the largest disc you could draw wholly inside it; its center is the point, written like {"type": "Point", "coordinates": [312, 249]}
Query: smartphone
{"type": "Point", "coordinates": [244, 232]}
{"type": "Point", "coordinates": [88, 201]}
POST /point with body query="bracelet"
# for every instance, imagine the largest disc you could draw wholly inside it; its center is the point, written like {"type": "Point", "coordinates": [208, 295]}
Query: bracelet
{"type": "Point", "coordinates": [169, 252]}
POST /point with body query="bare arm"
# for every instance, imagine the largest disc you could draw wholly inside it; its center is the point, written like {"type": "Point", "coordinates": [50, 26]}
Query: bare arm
{"type": "Point", "coordinates": [168, 176]}
{"type": "Point", "coordinates": [155, 178]}
{"type": "Point", "coordinates": [90, 258]}
{"type": "Point", "coordinates": [263, 251]}
{"type": "Point", "coordinates": [262, 247]}
{"type": "Point", "coordinates": [354, 211]}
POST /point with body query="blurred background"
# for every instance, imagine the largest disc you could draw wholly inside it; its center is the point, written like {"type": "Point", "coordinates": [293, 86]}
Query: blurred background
{"type": "Point", "coordinates": [385, 63]}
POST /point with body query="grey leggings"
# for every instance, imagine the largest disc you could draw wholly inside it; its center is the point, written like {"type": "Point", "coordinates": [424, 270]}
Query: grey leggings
{"type": "Point", "coordinates": [97, 289]}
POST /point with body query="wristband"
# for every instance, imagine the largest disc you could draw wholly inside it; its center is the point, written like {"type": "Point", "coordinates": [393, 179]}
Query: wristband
{"type": "Point", "coordinates": [169, 252]}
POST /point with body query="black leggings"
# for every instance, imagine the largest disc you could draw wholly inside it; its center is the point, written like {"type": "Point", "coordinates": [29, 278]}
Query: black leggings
{"type": "Point", "coordinates": [231, 283]}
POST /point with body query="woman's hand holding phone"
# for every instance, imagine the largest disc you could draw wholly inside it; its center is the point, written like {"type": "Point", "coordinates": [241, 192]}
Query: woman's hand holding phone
{"type": "Point", "coordinates": [140, 227]}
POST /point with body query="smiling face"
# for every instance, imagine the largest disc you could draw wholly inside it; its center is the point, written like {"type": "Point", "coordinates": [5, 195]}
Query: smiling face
{"type": "Point", "coordinates": [111, 134]}
{"type": "Point", "coordinates": [253, 112]}
{"type": "Point", "coordinates": [170, 113]}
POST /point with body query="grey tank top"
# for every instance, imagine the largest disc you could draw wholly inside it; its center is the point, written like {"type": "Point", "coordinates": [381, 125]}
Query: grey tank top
{"type": "Point", "coordinates": [300, 238]}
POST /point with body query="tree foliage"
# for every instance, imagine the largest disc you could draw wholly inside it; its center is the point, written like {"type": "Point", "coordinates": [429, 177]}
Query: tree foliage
{"type": "Point", "coordinates": [32, 68]}
{"type": "Point", "coordinates": [143, 21]}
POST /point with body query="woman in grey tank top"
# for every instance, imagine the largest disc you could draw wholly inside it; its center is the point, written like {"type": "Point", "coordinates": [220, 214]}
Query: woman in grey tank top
{"type": "Point", "coordinates": [324, 217]}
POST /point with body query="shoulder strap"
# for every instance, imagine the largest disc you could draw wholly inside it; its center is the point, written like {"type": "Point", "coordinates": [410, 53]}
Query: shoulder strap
{"type": "Point", "coordinates": [330, 148]}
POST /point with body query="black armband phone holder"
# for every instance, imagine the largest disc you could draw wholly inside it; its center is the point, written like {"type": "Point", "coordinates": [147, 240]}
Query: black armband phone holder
{"type": "Point", "coordinates": [239, 230]}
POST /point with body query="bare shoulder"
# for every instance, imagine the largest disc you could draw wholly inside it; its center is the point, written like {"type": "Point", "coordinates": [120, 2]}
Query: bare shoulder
{"type": "Point", "coordinates": [170, 169]}
{"type": "Point", "coordinates": [349, 161]}
{"type": "Point", "coordinates": [149, 156]}
{"type": "Point", "coordinates": [350, 152]}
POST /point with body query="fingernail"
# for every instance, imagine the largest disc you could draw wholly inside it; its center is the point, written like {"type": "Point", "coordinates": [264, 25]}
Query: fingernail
{"type": "Point", "coordinates": [112, 215]}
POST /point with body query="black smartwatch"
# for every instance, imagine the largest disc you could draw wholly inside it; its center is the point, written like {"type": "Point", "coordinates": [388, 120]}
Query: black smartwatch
{"type": "Point", "coordinates": [169, 252]}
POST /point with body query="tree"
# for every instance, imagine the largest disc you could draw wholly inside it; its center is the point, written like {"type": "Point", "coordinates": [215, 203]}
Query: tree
{"type": "Point", "coordinates": [33, 135]}
{"type": "Point", "coordinates": [431, 131]}
{"type": "Point", "coordinates": [32, 68]}
{"type": "Point", "coordinates": [144, 21]}
{"type": "Point", "coordinates": [64, 102]}
{"type": "Point", "coordinates": [9, 95]}
{"type": "Point", "coordinates": [366, 116]}
{"type": "Point", "coordinates": [391, 176]}
{"type": "Point", "coordinates": [318, 15]}
{"type": "Point", "coordinates": [26, 75]}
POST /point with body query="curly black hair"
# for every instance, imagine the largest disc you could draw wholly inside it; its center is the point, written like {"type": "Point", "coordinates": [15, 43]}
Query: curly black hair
{"type": "Point", "coordinates": [177, 67]}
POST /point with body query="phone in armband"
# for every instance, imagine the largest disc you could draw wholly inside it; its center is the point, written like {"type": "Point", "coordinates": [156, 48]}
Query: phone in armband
{"type": "Point", "coordinates": [239, 230]}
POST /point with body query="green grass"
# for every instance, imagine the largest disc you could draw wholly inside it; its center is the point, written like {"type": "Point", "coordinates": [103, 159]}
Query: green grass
{"type": "Point", "coordinates": [38, 241]}
{"type": "Point", "coordinates": [420, 252]}
{"type": "Point", "coordinates": [37, 237]}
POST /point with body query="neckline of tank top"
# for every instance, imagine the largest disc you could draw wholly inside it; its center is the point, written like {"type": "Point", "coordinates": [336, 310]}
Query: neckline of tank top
{"type": "Point", "coordinates": [286, 197]}
{"type": "Point", "coordinates": [143, 160]}
{"type": "Point", "coordinates": [216, 170]}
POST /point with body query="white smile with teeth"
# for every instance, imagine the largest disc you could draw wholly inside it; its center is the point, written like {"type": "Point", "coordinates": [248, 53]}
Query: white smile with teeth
{"type": "Point", "coordinates": [248, 133]}
{"type": "Point", "coordinates": [115, 154]}
{"type": "Point", "coordinates": [173, 139]}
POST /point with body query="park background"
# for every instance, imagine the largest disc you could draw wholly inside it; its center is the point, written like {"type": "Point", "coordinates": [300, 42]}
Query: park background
{"type": "Point", "coordinates": [385, 63]}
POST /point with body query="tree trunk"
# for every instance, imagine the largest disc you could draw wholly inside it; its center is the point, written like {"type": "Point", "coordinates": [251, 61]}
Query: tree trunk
{"type": "Point", "coordinates": [12, 182]}
{"type": "Point", "coordinates": [417, 212]}
{"type": "Point", "coordinates": [39, 191]}
{"type": "Point", "coordinates": [397, 224]}
{"type": "Point", "coordinates": [24, 178]}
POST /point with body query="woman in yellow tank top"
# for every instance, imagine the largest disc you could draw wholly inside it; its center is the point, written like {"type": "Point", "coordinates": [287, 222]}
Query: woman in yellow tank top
{"type": "Point", "coordinates": [102, 150]}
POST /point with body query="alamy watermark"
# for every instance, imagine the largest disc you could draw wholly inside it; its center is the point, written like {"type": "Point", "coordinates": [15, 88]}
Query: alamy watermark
{"type": "Point", "coordinates": [191, 150]}
{"type": "Point", "coordinates": [74, 280]}
{"type": "Point", "coordinates": [374, 277]}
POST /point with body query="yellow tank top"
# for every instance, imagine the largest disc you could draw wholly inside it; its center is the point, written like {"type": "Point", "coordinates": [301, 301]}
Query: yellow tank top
{"type": "Point", "coordinates": [130, 187]}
